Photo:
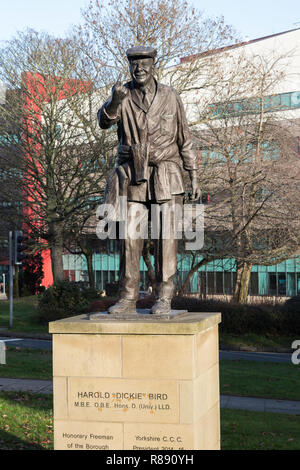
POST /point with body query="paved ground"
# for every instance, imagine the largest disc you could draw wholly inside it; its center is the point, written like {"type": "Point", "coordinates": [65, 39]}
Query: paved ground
{"type": "Point", "coordinates": [255, 356]}
{"type": "Point", "coordinates": [227, 401]}
{"type": "Point", "coordinates": [260, 404]}
{"type": "Point", "coordinates": [27, 343]}
{"type": "Point", "coordinates": [26, 385]}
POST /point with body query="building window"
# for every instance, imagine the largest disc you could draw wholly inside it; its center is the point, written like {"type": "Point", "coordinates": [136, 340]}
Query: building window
{"type": "Point", "coordinates": [268, 150]}
{"type": "Point", "coordinates": [272, 284]}
{"type": "Point", "coordinates": [295, 99]}
{"type": "Point", "coordinates": [253, 289]}
{"type": "Point", "coordinates": [271, 103]}
{"type": "Point", "coordinates": [281, 284]}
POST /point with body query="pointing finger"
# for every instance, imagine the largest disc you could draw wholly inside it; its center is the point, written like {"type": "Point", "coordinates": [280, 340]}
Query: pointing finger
{"type": "Point", "coordinates": [119, 79]}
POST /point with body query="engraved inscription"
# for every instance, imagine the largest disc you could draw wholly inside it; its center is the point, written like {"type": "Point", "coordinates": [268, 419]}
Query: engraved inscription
{"type": "Point", "coordinates": [158, 437]}
{"type": "Point", "coordinates": [76, 435]}
{"type": "Point", "coordinates": [116, 400]}
{"type": "Point", "coordinates": [82, 441]}
{"type": "Point", "coordinates": [165, 442]}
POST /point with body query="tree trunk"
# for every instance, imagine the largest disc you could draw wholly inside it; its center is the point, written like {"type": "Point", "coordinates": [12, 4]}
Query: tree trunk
{"type": "Point", "coordinates": [242, 283]}
{"type": "Point", "coordinates": [88, 253]}
{"type": "Point", "coordinates": [57, 250]}
{"type": "Point", "coordinates": [190, 275]}
{"type": "Point", "coordinates": [89, 260]}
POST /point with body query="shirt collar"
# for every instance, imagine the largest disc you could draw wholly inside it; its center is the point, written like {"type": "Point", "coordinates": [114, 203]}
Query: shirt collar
{"type": "Point", "coordinates": [150, 88]}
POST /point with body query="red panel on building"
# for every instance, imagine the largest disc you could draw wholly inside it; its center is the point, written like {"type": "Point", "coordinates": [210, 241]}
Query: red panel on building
{"type": "Point", "coordinates": [38, 92]}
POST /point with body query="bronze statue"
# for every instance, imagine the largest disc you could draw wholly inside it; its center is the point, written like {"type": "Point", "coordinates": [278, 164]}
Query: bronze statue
{"type": "Point", "coordinates": [155, 145]}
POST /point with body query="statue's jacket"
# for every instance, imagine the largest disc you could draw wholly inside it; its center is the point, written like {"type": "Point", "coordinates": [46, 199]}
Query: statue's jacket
{"type": "Point", "coordinates": [155, 145]}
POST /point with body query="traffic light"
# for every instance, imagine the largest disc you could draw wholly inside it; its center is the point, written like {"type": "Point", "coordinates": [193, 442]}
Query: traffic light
{"type": "Point", "coordinates": [19, 247]}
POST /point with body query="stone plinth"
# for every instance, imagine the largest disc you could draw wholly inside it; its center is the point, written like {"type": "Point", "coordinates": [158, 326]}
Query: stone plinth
{"type": "Point", "coordinates": [138, 383]}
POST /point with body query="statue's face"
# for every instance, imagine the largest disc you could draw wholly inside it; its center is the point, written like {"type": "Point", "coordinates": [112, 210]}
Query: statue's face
{"type": "Point", "coordinates": [141, 70]}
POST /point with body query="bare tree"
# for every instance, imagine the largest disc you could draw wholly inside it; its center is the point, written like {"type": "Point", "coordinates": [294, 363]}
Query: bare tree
{"type": "Point", "coordinates": [49, 122]}
{"type": "Point", "coordinates": [173, 27]}
{"type": "Point", "coordinates": [250, 167]}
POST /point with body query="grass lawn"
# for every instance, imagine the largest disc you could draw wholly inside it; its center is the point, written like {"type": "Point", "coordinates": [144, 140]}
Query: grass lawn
{"type": "Point", "coordinates": [248, 430]}
{"type": "Point", "coordinates": [24, 315]}
{"type": "Point", "coordinates": [27, 364]}
{"type": "Point", "coordinates": [26, 423]}
{"type": "Point", "coordinates": [257, 341]}
{"type": "Point", "coordinates": [260, 379]}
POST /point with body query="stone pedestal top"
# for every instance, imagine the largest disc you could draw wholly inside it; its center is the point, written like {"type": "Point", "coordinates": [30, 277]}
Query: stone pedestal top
{"type": "Point", "coordinates": [188, 323]}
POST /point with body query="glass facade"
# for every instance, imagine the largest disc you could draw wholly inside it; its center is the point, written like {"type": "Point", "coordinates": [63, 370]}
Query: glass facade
{"type": "Point", "coordinates": [271, 103]}
{"type": "Point", "coordinates": [215, 278]}
{"type": "Point", "coordinates": [268, 151]}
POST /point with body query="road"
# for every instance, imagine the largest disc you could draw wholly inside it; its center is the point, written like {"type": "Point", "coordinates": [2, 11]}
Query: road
{"type": "Point", "coordinates": [256, 356]}
{"type": "Point", "coordinates": [224, 355]}
{"type": "Point", "coordinates": [27, 343]}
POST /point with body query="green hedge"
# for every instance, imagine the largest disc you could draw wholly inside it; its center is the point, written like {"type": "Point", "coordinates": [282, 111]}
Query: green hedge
{"type": "Point", "coordinates": [255, 318]}
{"type": "Point", "coordinates": [240, 319]}
{"type": "Point", "coordinates": [64, 299]}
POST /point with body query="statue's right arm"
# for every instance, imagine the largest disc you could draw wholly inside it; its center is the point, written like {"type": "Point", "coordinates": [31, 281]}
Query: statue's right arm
{"type": "Point", "coordinates": [107, 119]}
{"type": "Point", "coordinates": [109, 114]}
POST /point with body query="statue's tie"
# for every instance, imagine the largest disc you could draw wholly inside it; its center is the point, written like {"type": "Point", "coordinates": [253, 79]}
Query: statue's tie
{"type": "Point", "coordinates": [146, 100]}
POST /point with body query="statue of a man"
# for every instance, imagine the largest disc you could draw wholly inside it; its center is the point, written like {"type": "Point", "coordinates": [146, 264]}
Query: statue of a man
{"type": "Point", "coordinates": [155, 145]}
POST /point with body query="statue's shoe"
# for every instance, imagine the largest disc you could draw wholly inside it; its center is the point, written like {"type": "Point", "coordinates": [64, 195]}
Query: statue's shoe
{"type": "Point", "coordinates": [123, 306]}
{"type": "Point", "coordinates": [161, 307]}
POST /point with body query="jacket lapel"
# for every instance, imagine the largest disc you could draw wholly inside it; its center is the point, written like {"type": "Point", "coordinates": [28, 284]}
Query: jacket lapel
{"type": "Point", "coordinates": [137, 99]}
{"type": "Point", "coordinates": [157, 100]}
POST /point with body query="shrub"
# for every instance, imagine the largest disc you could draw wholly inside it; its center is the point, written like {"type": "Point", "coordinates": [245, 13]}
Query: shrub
{"type": "Point", "coordinates": [291, 314]}
{"type": "Point", "coordinates": [237, 319]}
{"type": "Point", "coordinates": [64, 299]}
{"type": "Point", "coordinates": [292, 304]}
{"type": "Point", "coordinates": [243, 319]}
{"type": "Point", "coordinates": [112, 289]}
{"type": "Point", "coordinates": [101, 305]}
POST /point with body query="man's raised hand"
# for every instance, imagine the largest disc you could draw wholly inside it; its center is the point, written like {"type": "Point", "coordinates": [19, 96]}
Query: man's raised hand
{"type": "Point", "coordinates": [119, 91]}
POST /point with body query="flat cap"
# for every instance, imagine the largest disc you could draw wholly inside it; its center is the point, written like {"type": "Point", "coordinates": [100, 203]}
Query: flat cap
{"type": "Point", "coordinates": [141, 51]}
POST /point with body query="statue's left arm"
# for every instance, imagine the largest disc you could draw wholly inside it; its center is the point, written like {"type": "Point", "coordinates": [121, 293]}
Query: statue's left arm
{"type": "Point", "coordinates": [187, 149]}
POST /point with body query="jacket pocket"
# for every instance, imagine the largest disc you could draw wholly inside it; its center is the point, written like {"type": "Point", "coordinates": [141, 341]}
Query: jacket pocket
{"type": "Point", "coordinates": [167, 124]}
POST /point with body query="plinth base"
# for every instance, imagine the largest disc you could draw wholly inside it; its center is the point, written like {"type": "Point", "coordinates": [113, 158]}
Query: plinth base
{"type": "Point", "coordinates": [136, 384]}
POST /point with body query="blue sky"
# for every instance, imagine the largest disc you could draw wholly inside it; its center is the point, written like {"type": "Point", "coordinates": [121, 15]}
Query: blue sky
{"type": "Point", "coordinates": [255, 18]}
{"type": "Point", "coordinates": [53, 16]}
{"type": "Point", "coordinates": [252, 19]}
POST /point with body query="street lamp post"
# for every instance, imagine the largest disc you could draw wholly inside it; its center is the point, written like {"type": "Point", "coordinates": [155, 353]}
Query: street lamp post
{"type": "Point", "coordinates": [11, 278]}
